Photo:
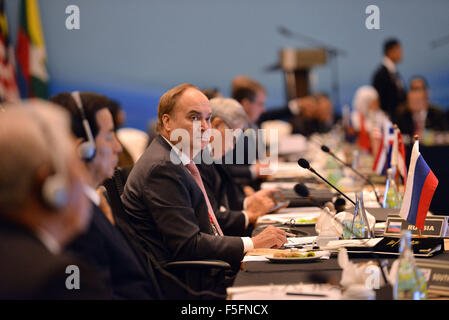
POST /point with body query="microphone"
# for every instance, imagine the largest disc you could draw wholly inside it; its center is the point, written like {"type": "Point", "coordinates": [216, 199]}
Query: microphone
{"type": "Point", "coordinates": [327, 150]}
{"type": "Point", "coordinates": [306, 165]}
{"type": "Point", "coordinates": [339, 204]}
{"type": "Point", "coordinates": [303, 191]}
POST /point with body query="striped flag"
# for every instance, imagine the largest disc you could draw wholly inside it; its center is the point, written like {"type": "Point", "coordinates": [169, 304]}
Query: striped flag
{"type": "Point", "coordinates": [398, 155]}
{"type": "Point", "coordinates": [383, 156]}
{"type": "Point", "coordinates": [32, 73]}
{"type": "Point", "coordinates": [364, 140]}
{"type": "Point", "coordinates": [9, 91]}
{"type": "Point", "coordinates": [419, 190]}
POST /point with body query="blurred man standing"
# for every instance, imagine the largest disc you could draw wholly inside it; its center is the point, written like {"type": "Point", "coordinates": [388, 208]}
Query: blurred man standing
{"type": "Point", "coordinates": [387, 81]}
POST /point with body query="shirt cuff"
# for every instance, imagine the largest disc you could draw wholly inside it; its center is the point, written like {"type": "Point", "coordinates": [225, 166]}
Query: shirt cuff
{"type": "Point", "coordinates": [245, 203]}
{"type": "Point", "coordinates": [246, 219]}
{"type": "Point", "coordinates": [253, 171]}
{"type": "Point", "coordinates": [293, 106]}
{"type": "Point", "coordinates": [247, 244]}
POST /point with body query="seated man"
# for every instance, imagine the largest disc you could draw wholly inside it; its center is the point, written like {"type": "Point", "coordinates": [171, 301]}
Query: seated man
{"type": "Point", "coordinates": [305, 122]}
{"type": "Point", "coordinates": [417, 115]}
{"type": "Point", "coordinates": [164, 195]}
{"type": "Point", "coordinates": [103, 245]}
{"type": "Point", "coordinates": [324, 114]}
{"type": "Point", "coordinates": [224, 194]}
{"type": "Point", "coordinates": [42, 207]}
{"type": "Point", "coordinates": [251, 95]}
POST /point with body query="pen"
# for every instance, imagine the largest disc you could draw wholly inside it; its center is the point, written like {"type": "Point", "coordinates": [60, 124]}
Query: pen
{"type": "Point", "coordinates": [306, 294]}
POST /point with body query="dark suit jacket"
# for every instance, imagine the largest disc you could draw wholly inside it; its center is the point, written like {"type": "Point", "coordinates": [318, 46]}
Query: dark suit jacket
{"type": "Point", "coordinates": [29, 271]}
{"type": "Point", "coordinates": [282, 113]}
{"type": "Point", "coordinates": [435, 120]}
{"type": "Point", "coordinates": [226, 199]}
{"type": "Point", "coordinates": [169, 213]}
{"type": "Point", "coordinates": [389, 94]}
{"type": "Point", "coordinates": [105, 247]}
{"type": "Point", "coordinates": [247, 151]}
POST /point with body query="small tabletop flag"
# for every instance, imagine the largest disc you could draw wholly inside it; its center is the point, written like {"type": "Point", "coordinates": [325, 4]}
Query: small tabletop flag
{"type": "Point", "coordinates": [419, 190]}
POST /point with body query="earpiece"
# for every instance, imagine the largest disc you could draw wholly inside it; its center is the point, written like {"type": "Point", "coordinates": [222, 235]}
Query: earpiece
{"type": "Point", "coordinates": [54, 191]}
{"type": "Point", "coordinates": [86, 149]}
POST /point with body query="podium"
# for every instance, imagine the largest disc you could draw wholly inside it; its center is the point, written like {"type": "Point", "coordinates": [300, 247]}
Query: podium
{"type": "Point", "coordinates": [296, 64]}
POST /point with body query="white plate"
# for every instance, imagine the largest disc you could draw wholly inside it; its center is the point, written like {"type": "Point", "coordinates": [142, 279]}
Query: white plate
{"type": "Point", "coordinates": [292, 260]}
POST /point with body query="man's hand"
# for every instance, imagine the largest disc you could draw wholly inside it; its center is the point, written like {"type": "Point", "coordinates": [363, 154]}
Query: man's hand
{"type": "Point", "coordinates": [262, 170]}
{"type": "Point", "coordinates": [271, 237]}
{"type": "Point", "coordinates": [259, 204]}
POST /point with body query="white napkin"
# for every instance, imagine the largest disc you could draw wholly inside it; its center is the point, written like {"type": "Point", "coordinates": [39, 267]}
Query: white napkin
{"type": "Point", "coordinates": [359, 279]}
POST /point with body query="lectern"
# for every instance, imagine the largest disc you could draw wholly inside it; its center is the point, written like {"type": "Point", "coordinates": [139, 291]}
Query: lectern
{"type": "Point", "coordinates": [296, 64]}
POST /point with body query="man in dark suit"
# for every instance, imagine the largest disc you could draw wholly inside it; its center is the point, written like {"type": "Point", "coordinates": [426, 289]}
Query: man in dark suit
{"type": "Point", "coordinates": [387, 80]}
{"type": "Point", "coordinates": [165, 197]}
{"type": "Point", "coordinates": [417, 115]}
{"type": "Point", "coordinates": [42, 207]}
{"type": "Point", "coordinates": [224, 194]}
{"type": "Point", "coordinates": [103, 245]}
{"type": "Point", "coordinates": [247, 169]}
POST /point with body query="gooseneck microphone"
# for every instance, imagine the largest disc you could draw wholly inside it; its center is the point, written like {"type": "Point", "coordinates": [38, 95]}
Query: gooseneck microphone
{"type": "Point", "coordinates": [326, 149]}
{"type": "Point", "coordinates": [306, 165]}
{"type": "Point", "coordinates": [303, 191]}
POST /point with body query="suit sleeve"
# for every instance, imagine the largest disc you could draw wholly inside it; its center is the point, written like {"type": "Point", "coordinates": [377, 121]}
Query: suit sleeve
{"type": "Point", "coordinates": [167, 196]}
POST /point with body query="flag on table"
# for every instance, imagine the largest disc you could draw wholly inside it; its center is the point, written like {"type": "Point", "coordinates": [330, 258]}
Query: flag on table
{"type": "Point", "coordinates": [32, 73]}
{"type": "Point", "coordinates": [394, 226]}
{"type": "Point", "coordinates": [383, 157]}
{"type": "Point", "coordinates": [8, 84]}
{"type": "Point", "coordinates": [364, 137]}
{"type": "Point", "coordinates": [398, 155]}
{"type": "Point", "coordinates": [419, 190]}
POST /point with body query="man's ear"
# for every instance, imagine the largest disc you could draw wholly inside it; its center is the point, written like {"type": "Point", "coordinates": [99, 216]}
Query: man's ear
{"type": "Point", "coordinates": [166, 123]}
{"type": "Point", "coordinates": [216, 123]}
{"type": "Point", "coordinates": [78, 141]}
{"type": "Point", "coordinates": [39, 179]}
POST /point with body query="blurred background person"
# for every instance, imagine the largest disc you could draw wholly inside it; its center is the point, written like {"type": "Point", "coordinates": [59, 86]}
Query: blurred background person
{"type": "Point", "coordinates": [102, 244]}
{"type": "Point", "coordinates": [211, 93]}
{"type": "Point", "coordinates": [305, 122]}
{"type": "Point", "coordinates": [132, 140]}
{"type": "Point", "coordinates": [42, 206]}
{"type": "Point", "coordinates": [367, 117]}
{"type": "Point", "coordinates": [251, 95]}
{"type": "Point", "coordinates": [225, 195]}
{"type": "Point", "coordinates": [418, 115]}
{"type": "Point", "coordinates": [125, 159]}
{"type": "Point", "coordinates": [324, 113]}
{"type": "Point", "coordinates": [387, 80]}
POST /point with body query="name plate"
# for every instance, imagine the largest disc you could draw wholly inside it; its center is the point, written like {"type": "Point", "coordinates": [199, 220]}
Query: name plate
{"type": "Point", "coordinates": [434, 226]}
{"type": "Point", "coordinates": [436, 273]}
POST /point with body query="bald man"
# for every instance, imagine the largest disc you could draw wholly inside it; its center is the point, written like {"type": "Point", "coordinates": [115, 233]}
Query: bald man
{"type": "Point", "coordinates": [42, 207]}
{"type": "Point", "coordinates": [165, 197]}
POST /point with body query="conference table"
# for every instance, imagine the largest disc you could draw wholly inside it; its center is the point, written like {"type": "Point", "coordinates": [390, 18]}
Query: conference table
{"type": "Point", "coordinates": [270, 281]}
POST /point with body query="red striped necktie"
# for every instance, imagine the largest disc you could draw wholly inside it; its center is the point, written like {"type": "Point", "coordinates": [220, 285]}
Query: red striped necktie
{"type": "Point", "coordinates": [197, 177]}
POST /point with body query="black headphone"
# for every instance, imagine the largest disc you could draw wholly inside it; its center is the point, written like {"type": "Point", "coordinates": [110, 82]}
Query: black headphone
{"type": "Point", "coordinates": [86, 149]}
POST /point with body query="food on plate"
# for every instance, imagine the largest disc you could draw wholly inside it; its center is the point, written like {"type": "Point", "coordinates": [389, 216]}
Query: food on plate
{"type": "Point", "coordinates": [294, 254]}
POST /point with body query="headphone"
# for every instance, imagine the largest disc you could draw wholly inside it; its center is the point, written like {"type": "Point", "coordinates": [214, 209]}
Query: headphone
{"type": "Point", "coordinates": [54, 189]}
{"type": "Point", "coordinates": [86, 149]}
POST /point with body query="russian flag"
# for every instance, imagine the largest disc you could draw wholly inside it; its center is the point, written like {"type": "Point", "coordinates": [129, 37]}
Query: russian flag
{"type": "Point", "coordinates": [419, 190]}
{"type": "Point", "coordinates": [394, 226]}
